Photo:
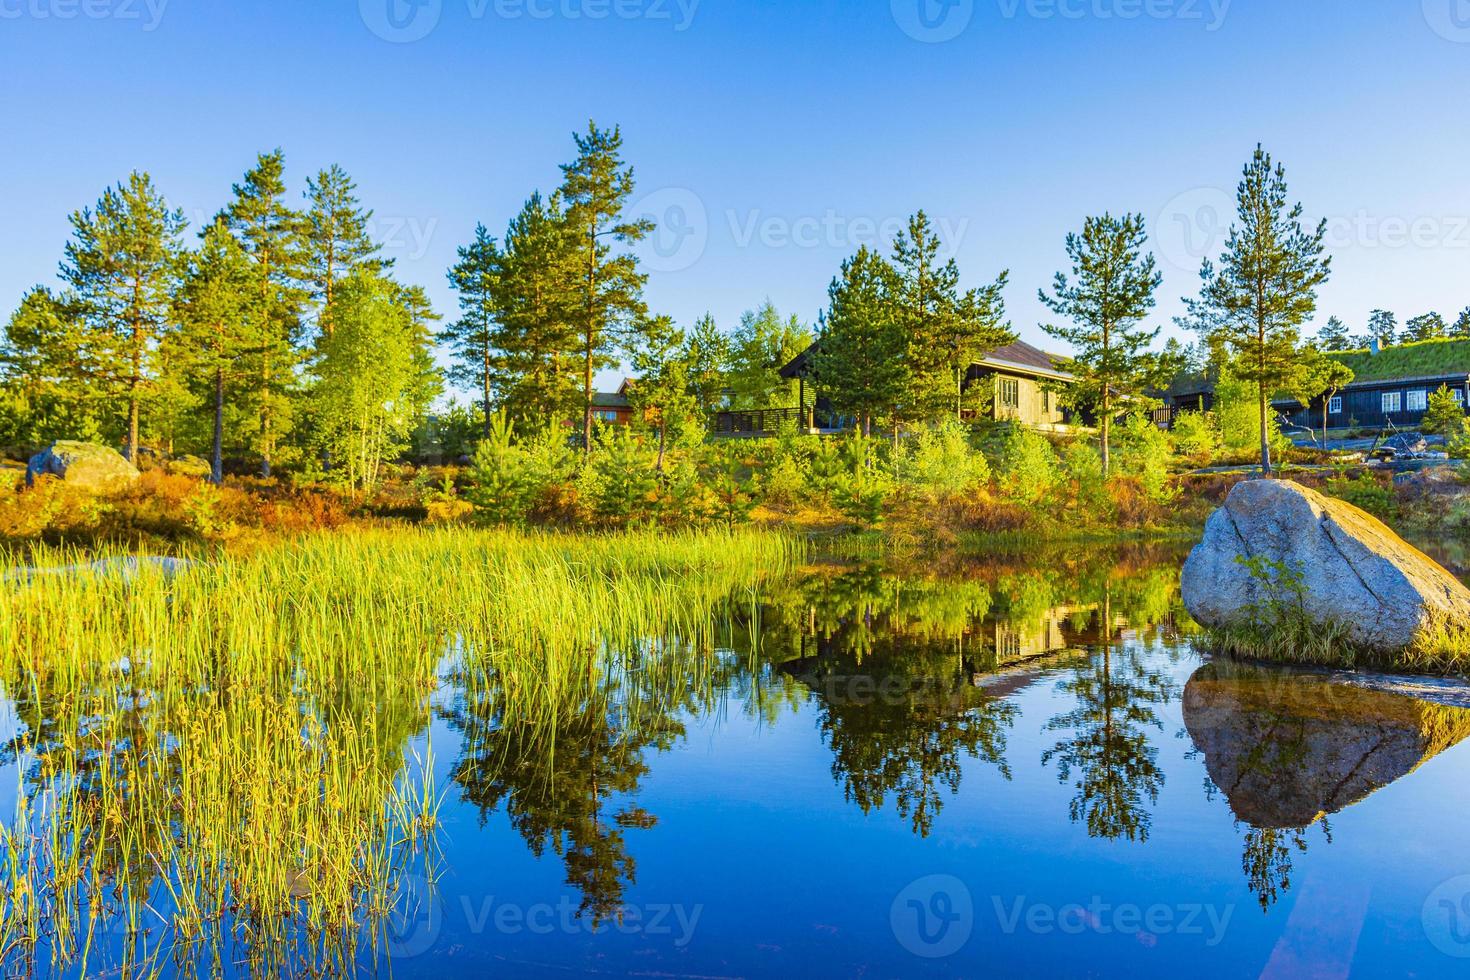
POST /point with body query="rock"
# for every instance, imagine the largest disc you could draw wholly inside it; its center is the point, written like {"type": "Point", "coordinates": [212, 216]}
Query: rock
{"type": "Point", "coordinates": [1433, 481]}
{"type": "Point", "coordinates": [1287, 749]}
{"type": "Point", "coordinates": [1355, 572]}
{"type": "Point", "coordinates": [190, 466]}
{"type": "Point", "coordinates": [83, 464]}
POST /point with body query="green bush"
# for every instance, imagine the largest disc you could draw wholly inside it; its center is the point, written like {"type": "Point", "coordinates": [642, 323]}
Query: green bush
{"type": "Point", "coordinates": [940, 463]}
{"type": "Point", "coordinates": [1028, 466]}
{"type": "Point", "coordinates": [1196, 435]}
{"type": "Point", "coordinates": [1145, 454]}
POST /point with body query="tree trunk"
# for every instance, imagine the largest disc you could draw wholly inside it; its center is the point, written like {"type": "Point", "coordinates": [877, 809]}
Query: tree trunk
{"type": "Point", "coordinates": [663, 428]}
{"type": "Point", "coordinates": [591, 329]}
{"type": "Point", "coordinates": [1107, 430]}
{"type": "Point", "coordinates": [217, 460]}
{"type": "Point", "coordinates": [1265, 436]}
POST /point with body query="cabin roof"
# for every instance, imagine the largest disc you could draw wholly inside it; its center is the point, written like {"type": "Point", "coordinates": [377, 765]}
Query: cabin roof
{"type": "Point", "coordinates": [1019, 356]}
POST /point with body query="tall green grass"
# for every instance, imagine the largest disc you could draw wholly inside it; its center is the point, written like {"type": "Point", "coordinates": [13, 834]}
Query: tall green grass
{"type": "Point", "coordinates": [227, 763]}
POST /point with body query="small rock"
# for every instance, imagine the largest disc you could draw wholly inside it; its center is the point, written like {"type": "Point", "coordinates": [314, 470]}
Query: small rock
{"type": "Point", "coordinates": [1355, 571]}
{"type": "Point", "coordinates": [83, 464]}
{"type": "Point", "coordinates": [190, 466]}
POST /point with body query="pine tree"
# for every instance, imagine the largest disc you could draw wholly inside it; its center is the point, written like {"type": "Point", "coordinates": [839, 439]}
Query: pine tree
{"type": "Point", "coordinates": [335, 239]}
{"type": "Point", "coordinates": [1321, 376]}
{"type": "Point", "coordinates": [1430, 326]}
{"type": "Point", "coordinates": [1110, 291]}
{"type": "Point", "coordinates": [596, 187]}
{"type": "Point", "coordinates": [1334, 336]}
{"type": "Point", "coordinates": [1252, 306]}
{"type": "Point", "coordinates": [707, 352]}
{"type": "Point", "coordinates": [538, 304]}
{"type": "Point", "coordinates": [216, 308]}
{"type": "Point", "coordinates": [946, 331]}
{"type": "Point", "coordinates": [269, 231]}
{"type": "Point", "coordinates": [428, 380]}
{"type": "Point", "coordinates": [471, 338]}
{"type": "Point", "coordinates": [47, 373]}
{"type": "Point", "coordinates": [660, 396]}
{"type": "Point", "coordinates": [1383, 327]}
{"type": "Point", "coordinates": [1461, 329]}
{"type": "Point", "coordinates": [122, 263]}
{"type": "Point", "coordinates": [859, 362]}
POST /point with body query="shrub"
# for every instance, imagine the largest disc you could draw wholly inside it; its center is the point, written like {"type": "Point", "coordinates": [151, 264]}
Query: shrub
{"type": "Point", "coordinates": [1029, 466]}
{"type": "Point", "coordinates": [1145, 455]}
{"type": "Point", "coordinates": [940, 462]}
{"type": "Point", "coordinates": [1196, 435]}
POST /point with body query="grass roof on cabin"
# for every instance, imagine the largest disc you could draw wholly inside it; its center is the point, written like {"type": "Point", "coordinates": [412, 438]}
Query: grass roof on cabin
{"type": "Point", "coordinates": [1425, 359]}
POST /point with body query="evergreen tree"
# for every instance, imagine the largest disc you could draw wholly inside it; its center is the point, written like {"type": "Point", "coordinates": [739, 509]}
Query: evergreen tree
{"type": "Point", "coordinates": [859, 362]}
{"type": "Point", "coordinates": [216, 306]}
{"type": "Point", "coordinates": [269, 231]}
{"type": "Point", "coordinates": [1429, 326]}
{"type": "Point", "coordinates": [1110, 291]}
{"type": "Point", "coordinates": [537, 347]}
{"type": "Point", "coordinates": [122, 263]}
{"type": "Point", "coordinates": [335, 240]}
{"type": "Point", "coordinates": [47, 372]}
{"type": "Point", "coordinates": [946, 331]}
{"type": "Point", "coordinates": [1383, 327]}
{"type": "Point", "coordinates": [764, 343]}
{"type": "Point", "coordinates": [595, 189]}
{"type": "Point", "coordinates": [660, 397]}
{"type": "Point", "coordinates": [1253, 304]}
{"type": "Point", "coordinates": [708, 355]}
{"type": "Point", "coordinates": [428, 380]}
{"type": "Point", "coordinates": [1323, 377]}
{"type": "Point", "coordinates": [1334, 336]}
{"type": "Point", "coordinates": [471, 338]}
{"type": "Point", "coordinates": [1461, 329]}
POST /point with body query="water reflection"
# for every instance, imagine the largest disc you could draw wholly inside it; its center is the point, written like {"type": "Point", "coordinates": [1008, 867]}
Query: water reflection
{"type": "Point", "coordinates": [1052, 677]}
{"type": "Point", "coordinates": [1287, 750]}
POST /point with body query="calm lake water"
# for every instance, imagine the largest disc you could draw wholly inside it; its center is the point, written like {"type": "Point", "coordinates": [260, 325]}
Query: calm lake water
{"type": "Point", "coordinates": [975, 767]}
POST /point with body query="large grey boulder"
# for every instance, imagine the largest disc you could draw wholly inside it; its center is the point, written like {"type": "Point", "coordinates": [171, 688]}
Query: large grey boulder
{"type": "Point", "coordinates": [83, 464]}
{"type": "Point", "coordinates": [1355, 571]}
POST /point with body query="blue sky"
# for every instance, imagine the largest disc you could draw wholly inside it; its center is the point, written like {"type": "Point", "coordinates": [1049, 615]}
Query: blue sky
{"type": "Point", "coordinates": [771, 138]}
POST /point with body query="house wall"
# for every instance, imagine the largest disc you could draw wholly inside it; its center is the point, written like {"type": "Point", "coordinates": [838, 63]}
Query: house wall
{"type": "Point", "coordinates": [1037, 405]}
{"type": "Point", "coordinates": [1362, 407]}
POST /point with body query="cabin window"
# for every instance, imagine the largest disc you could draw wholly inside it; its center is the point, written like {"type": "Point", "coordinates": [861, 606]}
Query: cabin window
{"type": "Point", "coordinates": [1010, 393]}
{"type": "Point", "coordinates": [1046, 401]}
{"type": "Point", "coordinates": [1459, 396]}
{"type": "Point", "coordinates": [1391, 402]}
{"type": "Point", "coordinates": [1335, 407]}
{"type": "Point", "coordinates": [605, 416]}
{"type": "Point", "coordinates": [1418, 401]}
